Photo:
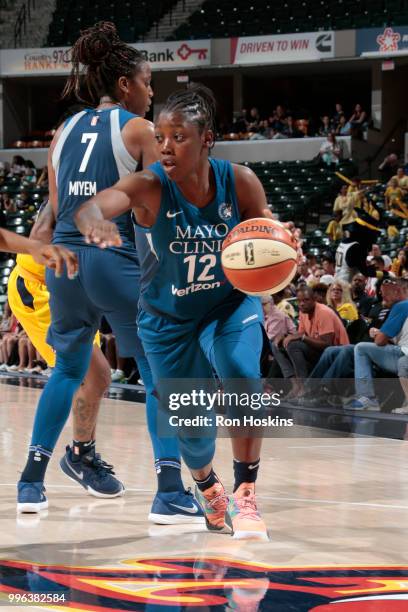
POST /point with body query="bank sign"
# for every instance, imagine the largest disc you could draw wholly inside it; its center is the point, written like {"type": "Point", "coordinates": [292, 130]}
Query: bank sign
{"type": "Point", "coordinates": [282, 48]}
{"type": "Point", "coordinates": [387, 41]}
{"type": "Point", "coordinates": [57, 60]}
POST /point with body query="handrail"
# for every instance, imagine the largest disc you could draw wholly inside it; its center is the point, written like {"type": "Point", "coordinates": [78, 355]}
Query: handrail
{"type": "Point", "coordinates": [20, 25]}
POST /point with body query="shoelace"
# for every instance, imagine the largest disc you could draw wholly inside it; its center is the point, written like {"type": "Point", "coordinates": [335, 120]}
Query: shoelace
{"type": "Point", "coordinates": [101, 467]}
{"type": "Point", "coordinates": [247, 507]}
{"type": "Point", "coordinates": [221, 497]}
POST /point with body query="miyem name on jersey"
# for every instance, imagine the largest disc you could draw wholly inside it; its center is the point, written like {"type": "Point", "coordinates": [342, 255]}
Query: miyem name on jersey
{"type": "Point", "coordinates": [82, 188]}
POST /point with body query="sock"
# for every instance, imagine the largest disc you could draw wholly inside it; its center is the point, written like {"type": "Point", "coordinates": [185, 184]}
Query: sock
{"type": "Point", "coordinates": [168, 475]}
{"type": "Point", "coordinates": [245, 472]}
{"type": "Point", "coordinates": [36, 465]}
{"type": "Point", "coordinates": [82, 448]}
{"type": "Point", "coordinates": [208, 482]}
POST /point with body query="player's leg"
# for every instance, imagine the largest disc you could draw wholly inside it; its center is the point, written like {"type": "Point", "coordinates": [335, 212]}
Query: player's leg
{"type": "Point", "coordinates": [29, 301]}
{"type": "Point", "coordinates": [234, 348]}
{"type": "Point", "coordinates": [175, 353]}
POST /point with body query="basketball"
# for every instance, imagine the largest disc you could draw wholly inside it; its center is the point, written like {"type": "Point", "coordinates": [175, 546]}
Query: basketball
{"type": "Point", "coordinates": [259, 256]}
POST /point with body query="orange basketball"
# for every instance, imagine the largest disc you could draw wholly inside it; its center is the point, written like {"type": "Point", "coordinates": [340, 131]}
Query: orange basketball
{"type": "Point", "coordinates": [259, 256]}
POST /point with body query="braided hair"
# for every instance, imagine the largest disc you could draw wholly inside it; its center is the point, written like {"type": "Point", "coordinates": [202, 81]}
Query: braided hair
{"type": "Point", "coordinates": [105, 57]}
{"type": "Point", "coordinates": [196, 104]}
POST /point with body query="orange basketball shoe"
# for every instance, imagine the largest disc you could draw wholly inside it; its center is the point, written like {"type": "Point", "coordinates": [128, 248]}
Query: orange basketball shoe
{"type": "Point", "coordinates": [247, 523]}
{"type": "Point", "coordinates": [214, 503]}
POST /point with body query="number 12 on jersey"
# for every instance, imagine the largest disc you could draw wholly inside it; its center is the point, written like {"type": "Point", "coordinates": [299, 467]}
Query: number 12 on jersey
{"type": "Point", "coordinates": [209, 261]}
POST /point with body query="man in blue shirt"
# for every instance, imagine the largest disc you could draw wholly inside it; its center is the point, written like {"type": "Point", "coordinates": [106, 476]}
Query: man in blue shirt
{"type": "Point", "coordinates": [389, 349]}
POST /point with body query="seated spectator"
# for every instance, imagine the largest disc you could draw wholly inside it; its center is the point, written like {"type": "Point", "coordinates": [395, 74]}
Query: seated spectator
{"type": "Point", "coordinates": [317, 274]}
{"type": "Point", "coordinates": [325, 128]}
{"type": "Point", "coordinates": [240, 123]}
{"type": "Point", "coordinates": [399, 266]}
{"type": "Point", "coordinates": [344, 127]}
{"type": "Point", "coordinates": [393, 194]}
{"type": "Point", "coordinates": [403, 376]}
{"type": "Point", "coordinates": [390, 345]}
{"type": "Point", "coordinates": [281, 302]}
{"type": "Point", "coordinates": [290, 130]}
{"type": "Point", "coordinates": [345, 204]}
{"type": "Point", "coordinates": [263, 132]}
{"type": "Point", "coordinates": [388, 167]}
{"type": "Point", "coordinates": [254, 119]}
{"type": "Point", "coordinates": [277, 121]}
{"type": "Point", "coordinates": [339, 298]}
{"type": "Point", "coordinates": [331, 151]}
{"type": "Point", "coordinates": [358, 119]}
{"type": "Point", "coordinates": [338, 115]}
{"type": "Point", "coordinates": [320, 292]}
{"type": "Point", "coordinates": [319, 327]}
{"type": "Point", "coordinates": [305, 274]}
{"type": "Point", "coordinates": [359, 296]}
{"type": "Point", "coordinates": [17, 167]}
{"type": "Point", "coordinates": [334, 228]}
{"type": "Point", "coordinates": [329, 264]}
{"type": "Point", "coordinates": [402, 179]}
{"type": "Point", "coordinates": [276, 322]}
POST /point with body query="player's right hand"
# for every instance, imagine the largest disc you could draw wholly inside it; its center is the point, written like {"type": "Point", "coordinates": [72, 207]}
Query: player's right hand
{"type": "Point", "coordinates": [103, 233]}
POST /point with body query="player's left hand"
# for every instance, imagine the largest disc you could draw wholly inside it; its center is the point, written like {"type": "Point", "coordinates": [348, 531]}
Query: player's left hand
{"type": "Point", "coordinates": [55, 257]}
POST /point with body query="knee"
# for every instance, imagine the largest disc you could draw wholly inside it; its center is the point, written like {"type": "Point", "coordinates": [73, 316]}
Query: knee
{"type": "Point", "coordinates": [295, 346]}
{"type": "Point", "coordinates": [361, 348]}
{"type": "Point", "coordinates": [403, 367]}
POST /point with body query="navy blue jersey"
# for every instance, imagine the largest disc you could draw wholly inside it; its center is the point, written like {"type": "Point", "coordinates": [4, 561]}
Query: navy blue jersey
{"type": "Point", "coordinates": [182, 277]}
{"type": "Point", "coordinates": [90, 156]}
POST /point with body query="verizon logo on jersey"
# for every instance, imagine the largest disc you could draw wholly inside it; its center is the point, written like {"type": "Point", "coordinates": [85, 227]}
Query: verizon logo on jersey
{"type": "Point", "coordinates": [82, 188]}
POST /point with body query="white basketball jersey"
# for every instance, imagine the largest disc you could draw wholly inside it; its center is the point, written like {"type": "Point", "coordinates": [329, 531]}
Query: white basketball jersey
{"type": "Point", "coordinates": [343, 270]}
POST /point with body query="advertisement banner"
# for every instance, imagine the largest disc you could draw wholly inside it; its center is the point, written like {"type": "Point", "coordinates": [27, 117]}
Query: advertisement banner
{"type": "Point", "coordinates": [56, 60]}
{"type": "Point", "coordinates": [282, 48]}
{"type": "Point", "coordinates": [382, 41]}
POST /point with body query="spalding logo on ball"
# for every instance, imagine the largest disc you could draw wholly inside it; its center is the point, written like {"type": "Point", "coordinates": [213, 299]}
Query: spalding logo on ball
{"type": "Point", "coordinates": [259, 256]}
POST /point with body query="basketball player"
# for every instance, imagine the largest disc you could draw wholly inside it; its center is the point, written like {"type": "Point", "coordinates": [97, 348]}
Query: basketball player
{"type": "Point", "coordinates": [52, 256]}
{"type": "Point", "coordinates": [91, 151]}
{"type": "Point", "coordinates": [191, 318]}
{"type": "Point", "coordinates": [28, 297]}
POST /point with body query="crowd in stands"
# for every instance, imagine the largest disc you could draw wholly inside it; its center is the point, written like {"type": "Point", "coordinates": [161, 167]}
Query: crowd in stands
{"type": "Point", "coordinates": [283, 123]}
{"type": "Point", "coordinates": [322, 329]}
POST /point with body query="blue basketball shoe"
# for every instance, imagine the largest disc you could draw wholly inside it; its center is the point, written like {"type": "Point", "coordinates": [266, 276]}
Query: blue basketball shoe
{"type": "Point", "coordinates": [31, 497]}
{"type": "Point", "coordinates": [92, 473]}
{"type": "Point", "coordinates": [176, 508]}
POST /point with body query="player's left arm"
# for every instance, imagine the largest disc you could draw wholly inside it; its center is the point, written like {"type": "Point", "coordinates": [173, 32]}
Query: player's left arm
{"type": "Point", "coordinates": [250, 193]}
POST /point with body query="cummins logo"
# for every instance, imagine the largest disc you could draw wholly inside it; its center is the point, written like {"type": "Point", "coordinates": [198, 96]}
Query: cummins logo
{"type": "Point", "coordinates": [324, 43]}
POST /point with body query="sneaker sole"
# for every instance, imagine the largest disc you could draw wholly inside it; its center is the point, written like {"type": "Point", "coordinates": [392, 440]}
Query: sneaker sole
{"type": "Point", "coordinates": [174, 519]}
{"type": "Point", "coordinates": [251, 535]}
{"type": "Point", "coordinates": [88, 488]}
{"type": "Point", "coordinates": [31, 508]}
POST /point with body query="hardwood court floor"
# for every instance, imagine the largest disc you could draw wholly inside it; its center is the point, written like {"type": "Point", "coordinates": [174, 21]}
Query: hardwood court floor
{"type": "Point", "coordinates": [336, 505]}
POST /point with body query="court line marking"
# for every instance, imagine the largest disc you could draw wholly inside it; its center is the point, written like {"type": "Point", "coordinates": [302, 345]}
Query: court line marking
{"type": "Point", "coordinates": [273, 498]}
{"type": "Point", "coordinates": [368, 445]}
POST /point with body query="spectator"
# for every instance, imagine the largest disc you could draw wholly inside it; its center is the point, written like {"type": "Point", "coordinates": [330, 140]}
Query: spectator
{"type": "Point", "coordinates": [393, 194]}
{"type": "Point", "coordinates": [254, 118]}
{"type": "Point", "coordinates": [8, 204]}
{"type": "Point", "coordinates": [376, 252]}
{"type": "Point", "coordinates": [325, 127]}
{"type": "Point", "coordinates": [339, 298]}
{"type": "Point", "coordinates": [328, 264]}
{"type": "Point", "coordinates": [402, 179]}
{"type": "Point", "coordinates": [320, 292]}
{"type": "Point", "coordinates": [281, 302]}
{"type": "Point", "coordinates": [17, 167]}
{"type": "Point", "coordinates": [327, 279]}
{"type": "Point", "coordinates": [276, 322]}
{"type": "Point", "coordinates": [403, 376]}
{"type": "Point", "coordinates": [345, 203]}
{"type": "Point", "coordinates": [290, 130]}
{"type": "Point", "coordinates": [343, 127]}
{"type": "Point", "coordinates": [331, 151]}
{"type": "Point", "coordinates": [389, 166]}
{"type": "Point", "coordinates": [305, 274]}
{"type": "Point", "coordinates": [390, 345]}
{"type": "Point", "coordinates": [319, 327]}
{"type": "Point", "coordinates": [338, 115]}
{"type": "Point", "coordinates": [358, 119]}
{"type": "Point", "coordinates": [399, 266]}
{"type": "Point", "coordinates": [359, 296]}
{"type": "Point", "coordinates": [240, 123]}
{"type": "Point", "coordinates": [262, 131]}
{"type": "Point", "coordinates": [335, 229]}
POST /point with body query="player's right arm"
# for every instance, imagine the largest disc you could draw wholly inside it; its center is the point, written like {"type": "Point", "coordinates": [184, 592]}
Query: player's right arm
{"type": "Point", "coordinates": [140, 192]}
{"type": "Point", "coordinates": [43, 228]}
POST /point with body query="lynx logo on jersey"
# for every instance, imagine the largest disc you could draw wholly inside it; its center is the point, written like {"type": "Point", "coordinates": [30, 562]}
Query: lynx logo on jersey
{"type": "Point", "coordinates": [225, 211]}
